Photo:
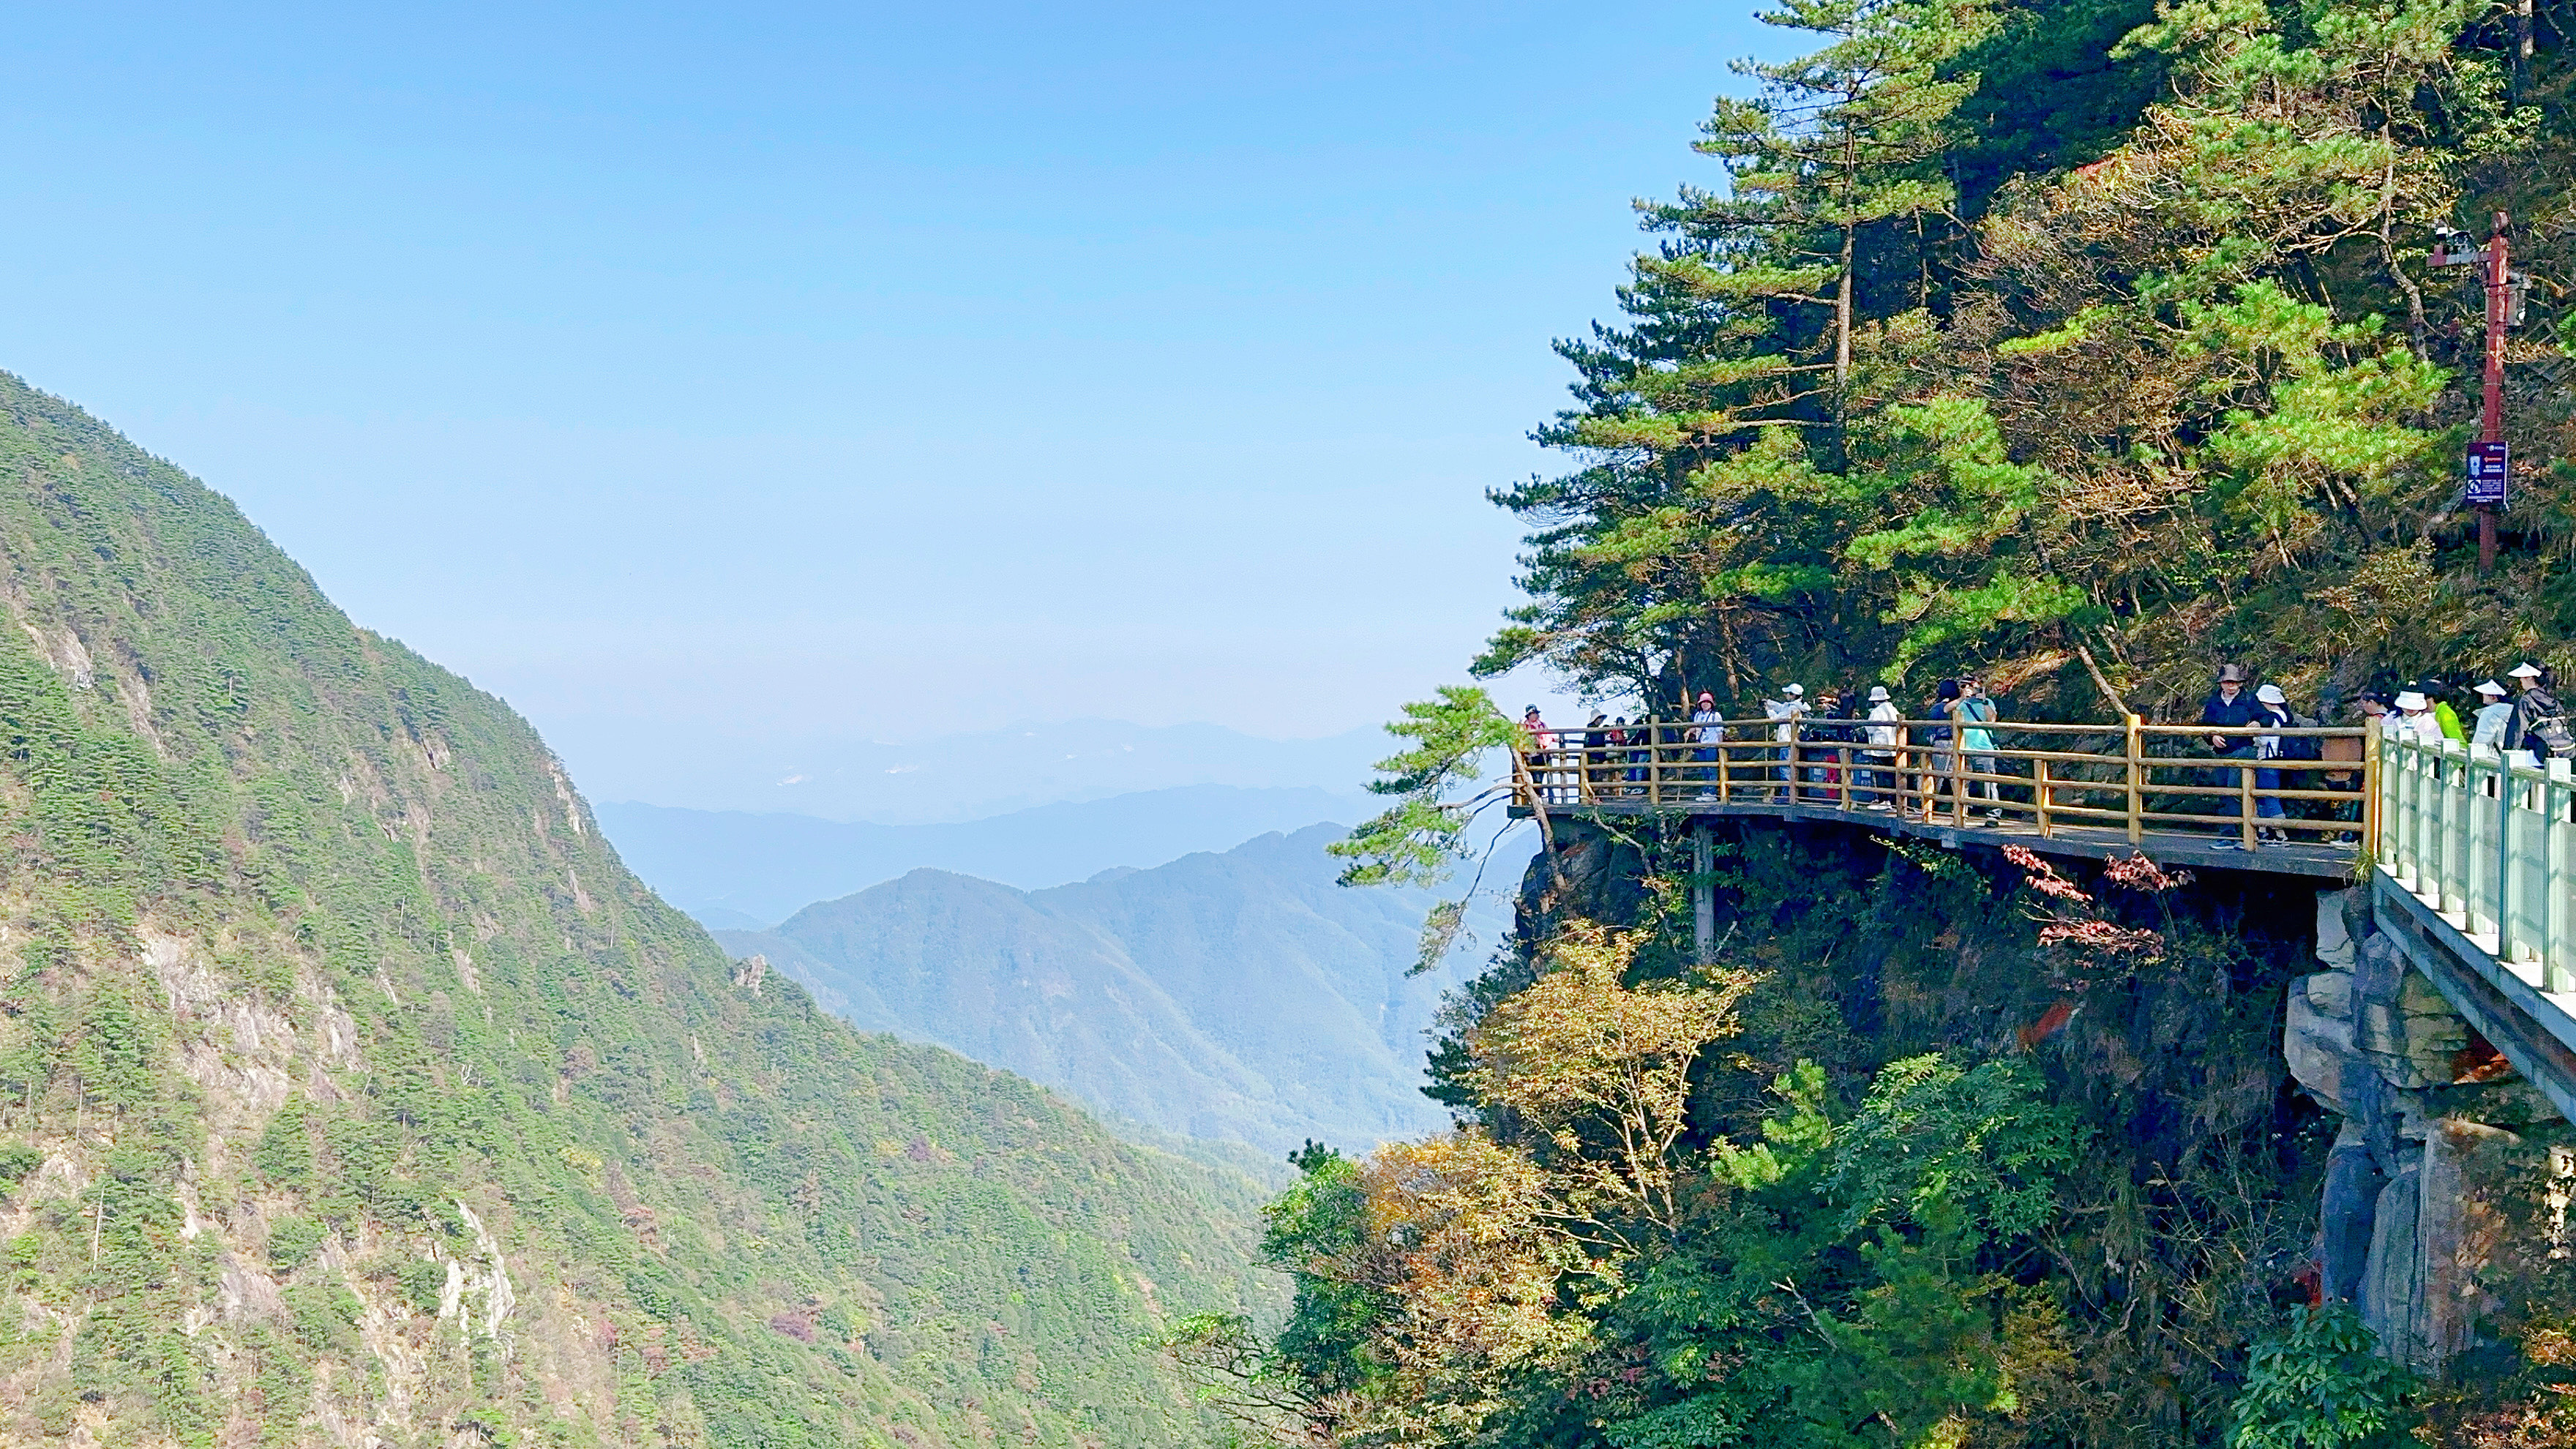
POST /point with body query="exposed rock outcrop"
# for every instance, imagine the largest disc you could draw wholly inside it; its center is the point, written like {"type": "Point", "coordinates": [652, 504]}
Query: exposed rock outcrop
{"type": "Point", "coordinates": [2410, 1217]}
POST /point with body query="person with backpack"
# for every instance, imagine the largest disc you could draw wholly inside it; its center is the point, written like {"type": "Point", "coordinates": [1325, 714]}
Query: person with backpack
{"type": "Point", "coordinates": [1641, 755]}
{"type": "Point", "coordinates": [2539, 722]}
{"type": "Point", "coordinates": [1943, 738]}
{"type": "Point", "coordinates": [2272, 712]}
{"type": "Point", "coordinates": [1977, 747]}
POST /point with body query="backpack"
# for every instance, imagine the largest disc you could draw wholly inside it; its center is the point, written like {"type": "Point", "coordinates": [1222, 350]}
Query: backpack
{"type": "Point", "coordinates": [2303, 747]}
{"type": "Point", "coordinates": [2553, 732]}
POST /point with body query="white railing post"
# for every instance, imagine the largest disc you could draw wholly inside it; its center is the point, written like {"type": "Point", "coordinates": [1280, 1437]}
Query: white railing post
{"type": "Point", "coordinates": [2524, 854]}
{"type": "Point", "coordinates": [2453, 807]}
{"type": "Point", "coordinates": [2477, 858]}
{"type": "Point", "coordinates": [2557, 932]}
{"type": "Point", "coordinates": [2401, 784]}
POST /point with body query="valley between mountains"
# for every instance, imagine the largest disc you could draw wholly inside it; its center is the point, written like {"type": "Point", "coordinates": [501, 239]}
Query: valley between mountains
{"type": "Point", "coordinates": [1239, 996]}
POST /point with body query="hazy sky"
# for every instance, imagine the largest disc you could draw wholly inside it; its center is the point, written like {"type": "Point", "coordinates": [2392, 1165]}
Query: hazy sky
{"type": "Point", "coordinates": [741, 377]}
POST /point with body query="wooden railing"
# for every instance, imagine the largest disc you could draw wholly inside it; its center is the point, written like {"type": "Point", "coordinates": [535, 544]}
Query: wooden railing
{"type": "Point", "coordinates": [2132, 777]}
{"type": "Point", "coordinates": [2485, 840]}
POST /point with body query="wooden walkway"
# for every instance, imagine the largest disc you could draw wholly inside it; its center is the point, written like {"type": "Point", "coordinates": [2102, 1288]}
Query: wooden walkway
{"type": "Point", "coordinates": [2200, 850]}
{"type": "Point", "coordinates": [2105, 791]}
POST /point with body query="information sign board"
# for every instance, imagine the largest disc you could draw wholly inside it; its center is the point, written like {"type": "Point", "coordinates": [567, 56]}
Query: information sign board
{"type": "Point", "coordinates": [2490, 471]}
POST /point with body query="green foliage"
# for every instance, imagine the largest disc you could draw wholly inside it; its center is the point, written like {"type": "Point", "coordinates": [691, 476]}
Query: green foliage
{"type": "Point", "coordinates": [284, 1154]}
{"type": "Point", "coordinates": [1320, 1219]}
{"type": "Point", "coordinates": [246, 839]}
{"type": "Point", "coordinates": [1981, 1144]}
{"type": "Point", "coordinates": [17, 1159]}
{"type": "Point", "coordinates": [2199, 398]}
{"type": "Point", "coordinates": [1435, 779]}
{"type": "Point", "coordinates": [293, 1240]}
{"type": "Point", "coordinates": [2322, 1385]}
{"type": "Point", "coordinates": [324, 1317]}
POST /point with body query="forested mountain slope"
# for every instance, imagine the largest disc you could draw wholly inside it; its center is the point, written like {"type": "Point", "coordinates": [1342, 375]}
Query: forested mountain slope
{"type": "Point", "coordinates": [1237, 995]}
{"type": "Point", "coordinates": [352, 1091]}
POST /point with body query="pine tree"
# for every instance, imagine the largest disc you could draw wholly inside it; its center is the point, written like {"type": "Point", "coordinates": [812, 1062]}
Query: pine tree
{"type": "Point", "coordinates": [1839, 143]}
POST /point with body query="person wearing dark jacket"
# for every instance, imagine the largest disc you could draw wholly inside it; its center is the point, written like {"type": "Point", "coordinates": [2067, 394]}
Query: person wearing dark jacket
{"type": "Point", "coordinates": [2536, 711]}
{"type": "Point", "coordinates": [2229, 707]}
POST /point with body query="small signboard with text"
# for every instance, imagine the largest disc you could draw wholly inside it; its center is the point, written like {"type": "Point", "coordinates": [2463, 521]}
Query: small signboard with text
{"type": "Point", "coordinates": [2490, 470]}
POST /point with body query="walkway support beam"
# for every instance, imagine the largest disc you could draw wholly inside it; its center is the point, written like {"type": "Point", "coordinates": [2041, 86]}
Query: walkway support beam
{"type": "Point", "coordinates": [1703, 896]}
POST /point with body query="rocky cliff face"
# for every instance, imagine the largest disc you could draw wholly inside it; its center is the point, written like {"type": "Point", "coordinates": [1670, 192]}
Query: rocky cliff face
{"type": "Point", "coordinates": [2420, 1222]}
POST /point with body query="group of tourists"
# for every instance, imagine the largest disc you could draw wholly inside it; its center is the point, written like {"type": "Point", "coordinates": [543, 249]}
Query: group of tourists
{"type": "Point", "coordinates": [1843, 746]}
{"type": "Point", "coordinates": [1813, 743]}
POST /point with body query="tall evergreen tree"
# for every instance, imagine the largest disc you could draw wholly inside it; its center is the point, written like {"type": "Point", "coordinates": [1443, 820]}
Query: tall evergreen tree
{"type": "Point", "coordinates": [1838, 142]}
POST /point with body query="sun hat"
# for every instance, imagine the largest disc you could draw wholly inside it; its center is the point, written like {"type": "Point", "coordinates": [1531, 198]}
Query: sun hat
{"type": "Point", "coordinates": [1796, 689]}
{"type": "Point", "coordinates": [2412, 699]}
{"type": "Point", "coordinates": [1878, 694]}
{"type": "Point", "coordinates": [2525, 670]}
{"type": "Point", "coordinates": [2271, 694]}
{"type": "Point", "coordinates": [2491, 687]}
{"type": "Point", "coordinates": [2231, 674]}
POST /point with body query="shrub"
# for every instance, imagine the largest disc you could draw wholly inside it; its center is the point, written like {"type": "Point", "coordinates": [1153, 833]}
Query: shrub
{"type": "Point", "coordinates": [293, 1240]}
{"type": "Point", "coordinates": [2322, 1386]}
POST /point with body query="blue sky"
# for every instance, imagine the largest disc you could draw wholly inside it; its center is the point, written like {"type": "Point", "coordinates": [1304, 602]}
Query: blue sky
{"type": "Point", "coordinates": [748, 379]}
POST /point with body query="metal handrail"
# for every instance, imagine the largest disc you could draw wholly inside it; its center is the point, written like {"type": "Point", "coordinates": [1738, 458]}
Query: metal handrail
{"type": "Point", "coordinates": [2131, 775]}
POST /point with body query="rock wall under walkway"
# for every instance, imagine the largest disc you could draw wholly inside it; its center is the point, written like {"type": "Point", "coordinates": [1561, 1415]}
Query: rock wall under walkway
{"type": "Point", "coordinates": [2436, 1161]}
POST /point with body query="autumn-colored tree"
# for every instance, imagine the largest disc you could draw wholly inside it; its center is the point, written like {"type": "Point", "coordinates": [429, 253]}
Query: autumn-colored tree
{"type": "Point", "coordinates": [1600, 1071]}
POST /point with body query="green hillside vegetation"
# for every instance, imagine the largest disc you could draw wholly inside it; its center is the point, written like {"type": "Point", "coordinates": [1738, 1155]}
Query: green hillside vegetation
{"type": "Point", "coordinates": [352, 1091]}
{"type": "Point", "coordinates": [1234, 995]}
{"type": "Point", "coordinates": [2086, 346]}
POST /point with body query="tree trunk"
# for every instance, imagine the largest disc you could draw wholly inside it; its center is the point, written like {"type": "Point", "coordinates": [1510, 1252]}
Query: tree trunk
{"type": "Point", "coordinates": [1843, 316]}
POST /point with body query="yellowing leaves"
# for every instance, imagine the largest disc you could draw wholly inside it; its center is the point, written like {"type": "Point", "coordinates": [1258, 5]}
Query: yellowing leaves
{"type": "Point", "coordinates": [1603, 1068]}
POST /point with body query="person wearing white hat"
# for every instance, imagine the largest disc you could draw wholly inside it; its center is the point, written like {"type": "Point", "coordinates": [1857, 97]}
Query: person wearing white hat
{"type": "Point", "coordinates": [2493, 712]}
{"type": "Point", "coordinates": [2539, 721]}
{"type": "Point", "coordinates": [1881, 755]}
{"type": "Point", "coordinates": [1784, 713]}
{"type": "Point", "coordinates": [2415, 719]}
{"type": "Point", "coordinates": [2272, 712]}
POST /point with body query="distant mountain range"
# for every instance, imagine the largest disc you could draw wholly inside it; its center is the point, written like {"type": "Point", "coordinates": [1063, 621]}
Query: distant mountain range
{"type": "Point", "coordinates": [739, 870]}
{"type": "Point", "coordinates": [1238, 996]}
{"type": "Point", "coordinates": [989, 772]}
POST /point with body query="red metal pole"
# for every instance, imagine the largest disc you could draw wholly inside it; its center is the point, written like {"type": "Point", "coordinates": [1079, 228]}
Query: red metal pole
{"type": "Point", "coordinates": [2491, 416]}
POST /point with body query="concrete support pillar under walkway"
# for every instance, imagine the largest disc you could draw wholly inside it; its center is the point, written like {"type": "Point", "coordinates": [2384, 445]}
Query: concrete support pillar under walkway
{"type": "Point", "coordinates": [1703, 896]}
